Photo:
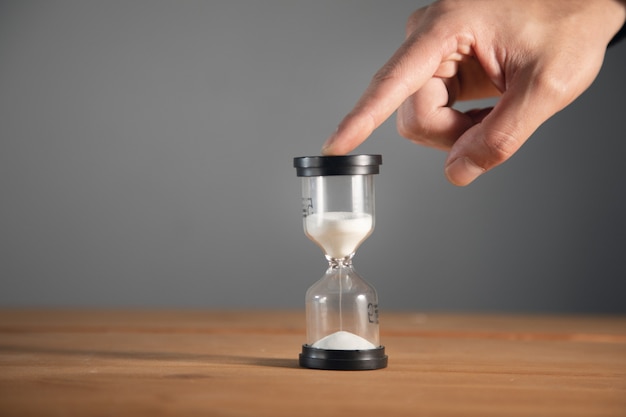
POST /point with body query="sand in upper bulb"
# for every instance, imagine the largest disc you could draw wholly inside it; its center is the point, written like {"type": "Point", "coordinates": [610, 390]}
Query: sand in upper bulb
{"type": "Point", "coordinates": [339, 233]}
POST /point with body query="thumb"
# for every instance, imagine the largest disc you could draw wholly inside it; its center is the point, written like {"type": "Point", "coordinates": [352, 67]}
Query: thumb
{"type": "Point", "coordinates": [521, 110]}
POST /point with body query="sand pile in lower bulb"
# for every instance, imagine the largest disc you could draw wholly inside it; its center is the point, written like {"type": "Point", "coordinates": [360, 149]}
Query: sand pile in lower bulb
{"type": "Point", "coordinates": [343, 340]}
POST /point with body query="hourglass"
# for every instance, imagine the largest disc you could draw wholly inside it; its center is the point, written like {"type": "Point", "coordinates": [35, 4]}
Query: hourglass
{"type": "Point", "coordinates": [341, 308]}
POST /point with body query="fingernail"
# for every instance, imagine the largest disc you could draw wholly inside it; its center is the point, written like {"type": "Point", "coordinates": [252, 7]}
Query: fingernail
{"type": "Point", "coordinates": [463, 171]}
{"type": "Point", "coordinates": [328, 144]}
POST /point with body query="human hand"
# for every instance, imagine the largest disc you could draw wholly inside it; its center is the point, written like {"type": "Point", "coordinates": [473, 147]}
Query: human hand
{"type": "Point", "coordinates": [536, 55]}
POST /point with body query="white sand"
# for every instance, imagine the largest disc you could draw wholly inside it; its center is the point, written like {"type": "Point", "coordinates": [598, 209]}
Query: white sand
{"type": "Point", "coordinates": [339, 232]}
{"type": "Point", "coordinates": [343, 340]}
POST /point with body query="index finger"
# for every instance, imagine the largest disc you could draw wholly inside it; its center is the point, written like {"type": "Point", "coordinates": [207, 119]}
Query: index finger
{"type": "Point", "coordinates": [412, 65]}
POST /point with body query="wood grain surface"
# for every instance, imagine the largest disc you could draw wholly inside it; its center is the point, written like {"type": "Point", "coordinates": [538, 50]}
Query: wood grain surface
{"type": "Point", "coordinates": [244, 363]}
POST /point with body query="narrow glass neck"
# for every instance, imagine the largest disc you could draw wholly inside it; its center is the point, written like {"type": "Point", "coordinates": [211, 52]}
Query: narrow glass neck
{"type": "Point", "coordinates": [336, 263]}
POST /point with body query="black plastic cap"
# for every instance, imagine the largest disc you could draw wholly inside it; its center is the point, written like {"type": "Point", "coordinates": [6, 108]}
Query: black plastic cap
{"type": "Point", "coordinates": [343, 360]}
{"type": "Point", "coordinates": [316, 166]}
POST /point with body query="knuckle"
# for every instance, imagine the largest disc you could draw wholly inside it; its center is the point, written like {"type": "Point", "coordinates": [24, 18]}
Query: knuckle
{"type": "Point", "coordinates": [424, 131]}
{"type": "Point", "coordinates": [501, 146]}
{"type": "Point", "coordinates": [414, 20]}
{"type": "Point", "coordinates": [411, 127]}
{"type": "Point", "coordinates": [552, 86]}
{"type": "Point", "coordinates": [387, 73]}
{"type": "Point", "coordinates": [407, 129]}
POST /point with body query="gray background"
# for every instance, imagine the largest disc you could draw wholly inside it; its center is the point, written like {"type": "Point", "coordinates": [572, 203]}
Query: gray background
{"type": "Point", "coordinates": [146, 160]}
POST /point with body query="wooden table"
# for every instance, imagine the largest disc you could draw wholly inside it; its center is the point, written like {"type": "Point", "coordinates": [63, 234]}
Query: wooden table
{"type": "Point", "coordinates": [244, 363]}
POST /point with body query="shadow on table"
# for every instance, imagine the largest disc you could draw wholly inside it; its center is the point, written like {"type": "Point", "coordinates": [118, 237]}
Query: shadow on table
{"type": "Point", "coordinates": [91, 354]}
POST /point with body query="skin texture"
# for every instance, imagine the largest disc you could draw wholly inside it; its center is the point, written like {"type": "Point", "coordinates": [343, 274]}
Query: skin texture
{"type": "Point", "coordinates": [537, 56]}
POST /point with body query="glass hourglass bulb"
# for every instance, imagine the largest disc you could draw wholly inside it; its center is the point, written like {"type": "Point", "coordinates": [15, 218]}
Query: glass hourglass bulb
{"type": "Point", "coordinates": [338, 233]}
{"type": "Point", "coordinates": [341, 308]}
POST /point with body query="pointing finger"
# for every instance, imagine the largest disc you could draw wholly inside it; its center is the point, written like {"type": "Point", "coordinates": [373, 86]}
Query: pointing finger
{"type": "Point", "coordinates": [406, 72]}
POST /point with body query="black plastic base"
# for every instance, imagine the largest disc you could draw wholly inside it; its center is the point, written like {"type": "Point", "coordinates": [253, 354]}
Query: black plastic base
{"type": "Point", "coordinates": [343, 360]}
